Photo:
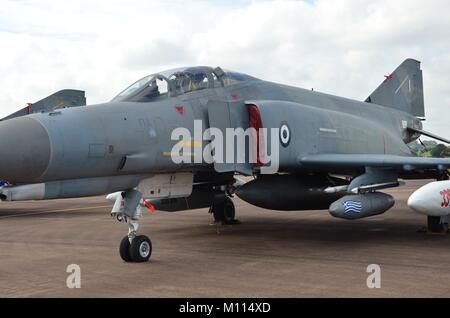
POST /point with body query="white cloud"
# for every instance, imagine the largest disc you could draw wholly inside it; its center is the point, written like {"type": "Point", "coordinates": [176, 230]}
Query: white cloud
{"type": "Point", "coordinates": [343, 47]}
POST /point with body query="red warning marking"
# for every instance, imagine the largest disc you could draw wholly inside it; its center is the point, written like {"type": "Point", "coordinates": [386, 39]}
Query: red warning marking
{"type": "Point", "coordinates": [149, 205]}
{"type": "Point", "coordinates": [234, 97]}
{"type": "Point", "coordinates": [180, 109]}
{"type": "Point", "coordinates": [388, 77]}
{"type": "Point", "coordinates": [28, 108]}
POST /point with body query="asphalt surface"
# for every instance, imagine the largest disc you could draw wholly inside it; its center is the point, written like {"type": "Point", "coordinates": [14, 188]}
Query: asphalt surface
{"type": "Point", "coordinates": [271, 254]}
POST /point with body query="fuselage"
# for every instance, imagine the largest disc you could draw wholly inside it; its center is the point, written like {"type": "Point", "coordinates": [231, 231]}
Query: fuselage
{"type": "Point", "coordinates": [128, 138]}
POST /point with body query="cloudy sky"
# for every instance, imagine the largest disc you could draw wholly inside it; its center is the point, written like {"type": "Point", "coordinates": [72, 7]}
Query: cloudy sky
{"type": "Point", "coordinates": [342, 47]}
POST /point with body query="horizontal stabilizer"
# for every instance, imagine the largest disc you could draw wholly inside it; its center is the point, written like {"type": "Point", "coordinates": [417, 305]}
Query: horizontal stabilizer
{"type": "Point", "coordinates": [62, 99]}
{"type": "Point", "coordinates": [428, 134]}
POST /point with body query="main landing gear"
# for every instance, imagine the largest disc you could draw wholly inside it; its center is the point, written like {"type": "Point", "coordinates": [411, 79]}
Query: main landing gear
{"type": "Point", "coordinates": [224, 211]}
{"type": "Point", "coordinates": [133, 248]}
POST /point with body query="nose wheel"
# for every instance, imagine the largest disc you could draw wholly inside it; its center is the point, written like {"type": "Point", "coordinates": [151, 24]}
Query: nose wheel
{"type": "Point", "coordinates": [138, 251]}
{"type": "Point", "coordinates": [133, 248]}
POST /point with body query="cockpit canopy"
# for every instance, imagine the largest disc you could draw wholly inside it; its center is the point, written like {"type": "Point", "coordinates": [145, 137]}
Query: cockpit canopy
{"type": "Point", "coordinates": [179, 81]}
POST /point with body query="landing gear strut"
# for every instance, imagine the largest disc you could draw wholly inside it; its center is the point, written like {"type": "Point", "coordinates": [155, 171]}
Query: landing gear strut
{"type": "Point", "coordinates": [224, 211]}
{"type": "Point", "coordinates": [133, 247]}
{"type": "Point", "coordinates": [437, 224]}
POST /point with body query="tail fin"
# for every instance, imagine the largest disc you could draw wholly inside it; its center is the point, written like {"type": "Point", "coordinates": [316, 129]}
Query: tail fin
{"type": "Point", "coordinates": [61, 99]}
{"type": "Point", "coordinates": [402, 90]}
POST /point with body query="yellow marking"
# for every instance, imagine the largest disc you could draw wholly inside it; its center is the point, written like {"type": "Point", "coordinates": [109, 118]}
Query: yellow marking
{"type": "Point", "coordinates": [186, 144]}
{"type": "Point", "coordinates": [56, 211]}
{"type": "Point", "coordinates": [176, 154]}
{"type": "Point", "coordinates": [190, 143]}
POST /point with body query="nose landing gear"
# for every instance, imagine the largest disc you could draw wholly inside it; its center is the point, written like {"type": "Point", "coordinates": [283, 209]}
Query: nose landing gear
{"type": "Point", "coordinates": [133, 248]}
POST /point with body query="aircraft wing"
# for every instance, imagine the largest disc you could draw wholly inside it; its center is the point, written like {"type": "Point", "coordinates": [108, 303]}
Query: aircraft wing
{"type": "Point", "coordinates": [60, 99]}
{"type": "Point", "coordinates": [401, 163]}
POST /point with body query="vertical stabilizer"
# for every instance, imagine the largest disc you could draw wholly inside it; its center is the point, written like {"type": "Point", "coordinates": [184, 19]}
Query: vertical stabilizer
{"type": "Point", "coordinates": [402, 90]}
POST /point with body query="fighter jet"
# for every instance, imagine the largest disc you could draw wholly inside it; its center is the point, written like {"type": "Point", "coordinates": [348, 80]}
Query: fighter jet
{"type": "Point", "coordinates": [156, 143]}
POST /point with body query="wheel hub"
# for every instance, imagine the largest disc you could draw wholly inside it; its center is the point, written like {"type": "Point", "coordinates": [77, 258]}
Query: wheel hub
{"type": "Point", "coordinates": [144, 249]}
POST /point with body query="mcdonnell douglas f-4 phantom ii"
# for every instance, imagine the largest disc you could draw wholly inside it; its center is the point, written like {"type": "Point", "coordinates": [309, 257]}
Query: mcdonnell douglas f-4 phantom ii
{"type": "Point", "coordinates": [157, 144]}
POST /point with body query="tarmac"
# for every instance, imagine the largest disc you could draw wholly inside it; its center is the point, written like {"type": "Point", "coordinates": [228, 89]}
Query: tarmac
{"type": "Point", "coordinates": [270, 254]}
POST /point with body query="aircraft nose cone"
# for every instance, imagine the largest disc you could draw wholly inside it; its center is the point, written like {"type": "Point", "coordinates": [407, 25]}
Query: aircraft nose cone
{"type": "Point", "coordinates": [24, 149]}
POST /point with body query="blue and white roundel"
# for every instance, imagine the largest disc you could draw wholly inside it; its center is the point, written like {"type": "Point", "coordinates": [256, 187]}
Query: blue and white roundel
{"type": "Point", "coordinates": [285, 134]}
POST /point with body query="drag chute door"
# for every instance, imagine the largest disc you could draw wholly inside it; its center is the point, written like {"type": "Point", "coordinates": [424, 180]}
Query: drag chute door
{"type": "Point", "coordinates": [234, 115]}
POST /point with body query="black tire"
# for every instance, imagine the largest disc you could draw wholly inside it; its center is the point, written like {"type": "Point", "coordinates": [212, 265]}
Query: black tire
{"type": "Point", "coordinates": [435, 225]}
{"type": "Point", "coordinates": [224, 211]}
{"type": "Point", "coordinates": [124, 249]}
{"type": "Point", "coordinates": [140, 249]}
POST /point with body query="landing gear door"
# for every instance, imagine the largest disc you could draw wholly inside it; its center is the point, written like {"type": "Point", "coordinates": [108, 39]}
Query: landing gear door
{"type": "Point", "coordinates": [233, 153]}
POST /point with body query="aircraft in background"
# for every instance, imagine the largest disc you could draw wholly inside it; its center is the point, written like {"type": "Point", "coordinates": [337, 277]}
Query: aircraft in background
{"type": "Point", "coordinates": [127, 145]}
{"type": "Point", "coordinates": [433, 200]}
{"type": "Point", "coordinates": [61, 99]}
